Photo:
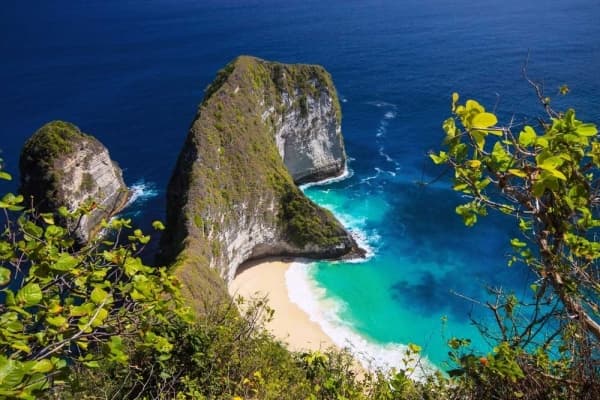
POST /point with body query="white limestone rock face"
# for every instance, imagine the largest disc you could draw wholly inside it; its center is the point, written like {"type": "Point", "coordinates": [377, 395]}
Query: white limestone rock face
{"type": "Point", "coordinates": [308, 133]}
{"type": "Point", "coordinates": [61, 166]}
{"type": "Point", "coordinates": [261, 129]}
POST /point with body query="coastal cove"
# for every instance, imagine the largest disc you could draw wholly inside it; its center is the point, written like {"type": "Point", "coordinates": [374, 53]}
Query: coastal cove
{"type": "Point", "coordinates": [133, 75]}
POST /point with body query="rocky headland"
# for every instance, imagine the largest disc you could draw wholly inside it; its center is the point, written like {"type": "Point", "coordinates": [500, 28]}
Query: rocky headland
{"type": "Point", "coordinates": [262, 128]}
{"type": "Point", "coordinates": [60, 166]}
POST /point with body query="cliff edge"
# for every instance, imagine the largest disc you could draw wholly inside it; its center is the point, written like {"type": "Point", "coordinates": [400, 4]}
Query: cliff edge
{"type": "Point", "coordinates": [62, 166]}
{"type": "Point", "coordinates": [261, 128]}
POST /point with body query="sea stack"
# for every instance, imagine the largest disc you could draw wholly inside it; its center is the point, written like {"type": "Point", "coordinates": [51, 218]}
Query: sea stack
{"type": "Point", "coordinates": [61, 166]}
{"type": "Point", "coordinates": [262, 128]}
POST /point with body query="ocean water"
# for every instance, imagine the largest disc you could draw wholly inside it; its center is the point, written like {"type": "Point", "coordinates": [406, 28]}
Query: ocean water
{"type": "Point", "coordinates": [133, 72]}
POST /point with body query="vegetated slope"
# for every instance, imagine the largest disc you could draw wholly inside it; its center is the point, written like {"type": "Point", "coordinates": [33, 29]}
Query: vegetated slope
{"type": "Point", "coordinates": [231, 197]}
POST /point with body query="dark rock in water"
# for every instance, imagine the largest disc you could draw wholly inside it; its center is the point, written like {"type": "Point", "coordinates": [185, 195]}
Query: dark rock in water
{"type": "Point", "coordinates": [262, 128]}
{"type": "Point", "coordinates": [61, 166]}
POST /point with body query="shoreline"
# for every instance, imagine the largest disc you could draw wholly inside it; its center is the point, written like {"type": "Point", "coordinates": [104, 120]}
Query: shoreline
{"type": "Point", "coordinates": [290, 324]}
{"type": "Point", "coordinates": [295, 326]}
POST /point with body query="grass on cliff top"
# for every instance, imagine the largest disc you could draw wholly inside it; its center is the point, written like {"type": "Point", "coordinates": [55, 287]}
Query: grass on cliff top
{"type": "Point", "coordinates": [53, 139]}
{"type": "Point", "coordinates": [38, 158]}
{"type": "Point", "coordinates": [288, 78]}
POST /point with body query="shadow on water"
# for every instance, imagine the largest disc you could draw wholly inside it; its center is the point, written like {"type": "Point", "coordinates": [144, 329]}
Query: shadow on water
{"type": "Point", "coordinates": [431, 295]}
{"type": "Point", "coordinates": [444, 261]}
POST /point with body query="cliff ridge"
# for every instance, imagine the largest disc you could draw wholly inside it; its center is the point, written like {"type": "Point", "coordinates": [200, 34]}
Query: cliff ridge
{"type": "Point", "coordinates": [262, 128]}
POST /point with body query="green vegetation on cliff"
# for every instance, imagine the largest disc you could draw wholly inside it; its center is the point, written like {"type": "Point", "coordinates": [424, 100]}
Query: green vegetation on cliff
{"type": "Point", "coordinates": [53, 139]}
{"type": "Point", "coordinates": [62, 167]}
{"type": "Point", "coordinates": [303, 221]}
{"type": "Point", "coordinates": [230, 180]}
{"type": "Point", "coordinates": [39, 153]}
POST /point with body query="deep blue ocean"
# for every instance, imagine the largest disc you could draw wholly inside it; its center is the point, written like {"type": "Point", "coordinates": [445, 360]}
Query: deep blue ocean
{"type": "Point", "coordinates": [132, 73]}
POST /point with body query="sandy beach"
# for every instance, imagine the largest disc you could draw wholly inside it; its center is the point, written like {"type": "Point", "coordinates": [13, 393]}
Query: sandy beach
{"type": "Point", "coordinates": [290, 324]}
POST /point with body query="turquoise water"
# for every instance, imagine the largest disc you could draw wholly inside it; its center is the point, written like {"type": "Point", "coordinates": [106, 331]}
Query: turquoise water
{"type": "Point", "coordinates": [403, 292]}
{"type": "Point", "coordinates": [133, 72]}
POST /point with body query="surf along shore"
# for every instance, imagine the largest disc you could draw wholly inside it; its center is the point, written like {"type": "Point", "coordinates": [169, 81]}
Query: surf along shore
{"type": "Point", "coordinates": [290, 324]}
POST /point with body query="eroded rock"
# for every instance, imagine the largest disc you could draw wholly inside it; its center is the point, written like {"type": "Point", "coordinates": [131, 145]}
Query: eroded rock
{"type": "Point", "coordinates": [262, 128]}
{"type": "Point", "coordinates": [61, 166]}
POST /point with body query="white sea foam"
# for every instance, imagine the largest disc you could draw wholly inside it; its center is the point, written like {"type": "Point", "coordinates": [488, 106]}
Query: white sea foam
{"type": "Point", "coordinates": [348, 172]}
{"type": "Point", "coordinates": [142, 191]}
{"type": "Point", "coordinates": [366, 240]}
{"type": "Point", "coordinates": [390, 115]}
{"type": "Point", "coordinates": [387, 157]}
{"type": "Point", "coordinates": [382, 130]}
{"type": "Point", "coordinates": [380, 104]}
{"type": "Point", "coordinates": [371, 177]}
{"type": "Point", "coordinates": [326, 311]}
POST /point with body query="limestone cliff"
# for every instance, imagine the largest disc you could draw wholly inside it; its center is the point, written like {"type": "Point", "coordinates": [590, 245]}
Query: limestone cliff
{"type": "Point", "coordinates": [231, 197]}
{"type": "Point", "coordinates": [61, 166]}
{"type": "Point", "coordinates": [307, 122]}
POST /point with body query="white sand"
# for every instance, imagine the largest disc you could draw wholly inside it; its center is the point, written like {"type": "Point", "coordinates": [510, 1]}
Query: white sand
{"type": "Point", "coordinates": [290, 324]}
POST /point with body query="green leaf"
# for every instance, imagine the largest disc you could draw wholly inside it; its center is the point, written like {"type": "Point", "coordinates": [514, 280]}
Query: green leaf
{"type": "Point", "coordinates": [484, 120]}
{"type": "Point", "coordinates": [48, 218]}
{"type": "Point", "coordinates": [449, 127]}
{"type": "Point", "coordinates": [10, 298]}
{"type": "Point", "coordinates": [586, 130]}
{"type": "Point", "coordinates": [501, 157]}
{"type": "Point", "coordinates": [414, 348]}
{"type": "Point", "coordinates": [11, 202]}
{"type": "Point", "coordinates": [158, 225]}
{"type": "Point", "coordinates": [33, 230]}
{"type": "Point", "coordinates": [43, 366]}
{"type": "Point", "coordinates": [516, 243]}
{"type": "Point", "coordinates": [552, 162]}
{"type": "Point", "coordinates": [133, 266]}
{"type": "Point", "coordinates": [11, 373]}
{"type": "Point", "coordinates": [54, 232]}
{"type": "Point", "coordinates": [98, 295]}
{"type": "Point", "coordinates": [100, 317]}
{"type": "Point", "coordinates": [115, 346]}
{"type": "Point", "coordinates": [534, 287]}
{"type": "Point", "coordinates": [6, 251]}
{"type": "Point", "coordinates": [454, 97]}
{"type": "Point", "coordinates": [517, 172]}
{"type": "Point", "coordinates": [472, 105]}
{"type": "Point", "coordinates": [439, 159]}
{"type": "Point", "coordinates": [527, 136]}
{"type": "Point", "coordinates": [57, 321]}
{"type": "Point", "coordinates": [82, 310]}
{"type": "Point", "coordinates": [474, 163]}
{"type": "Point", "coordinates": [479, 137]}
{"type": "Point", "coordinates": [20, 346]}
{"type": "Point", "coordinates": [29, 295]}
{"type": "Point", "coordinates": [5, 275]}
{"type": "Point", "coordinates": [91, 364]}
{"type": "Point", "coordinates": [65, 262]}
{"type": "Point", "coordinates": [5, 175]}
{"type": "Point", "coordinates": [554, 172]}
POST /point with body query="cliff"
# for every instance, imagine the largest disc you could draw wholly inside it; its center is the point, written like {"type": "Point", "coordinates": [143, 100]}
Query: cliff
{"type": "Point", "coordinates": [261, 128]}
{"type": "Point", "coordinates": [61, 166]}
